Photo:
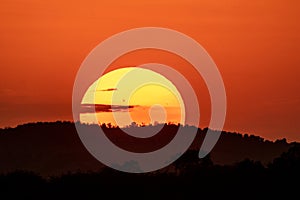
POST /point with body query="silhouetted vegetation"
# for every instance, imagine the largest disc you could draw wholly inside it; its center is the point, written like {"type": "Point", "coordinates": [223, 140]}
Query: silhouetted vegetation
{"type": "Point", "coordinates": [194, 179]}
{"type": "Point", "coordinates": [259, 168]}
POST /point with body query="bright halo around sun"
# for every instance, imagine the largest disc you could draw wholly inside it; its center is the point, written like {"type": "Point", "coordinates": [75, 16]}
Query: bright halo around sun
{"type": "Point", "coordinates": [132, 95]}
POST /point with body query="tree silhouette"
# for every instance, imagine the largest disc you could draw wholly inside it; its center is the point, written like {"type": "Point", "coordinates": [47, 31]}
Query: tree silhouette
{"type": "Point", "coordinates": [55, 150]}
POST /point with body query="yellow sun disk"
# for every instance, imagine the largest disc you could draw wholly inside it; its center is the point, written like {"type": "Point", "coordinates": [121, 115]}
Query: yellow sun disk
{"type": "Point", "coordinates": [161, 92]}
{"type": "Point", "coordinates": [153, 94]}
{"type": "Point", "coordinates": [96, 93]}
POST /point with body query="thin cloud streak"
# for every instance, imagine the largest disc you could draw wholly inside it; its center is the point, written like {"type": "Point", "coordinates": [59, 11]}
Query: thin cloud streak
{"type": "Point", "coordinates": [91, 108]}
{"type": "Point", "coordinates": [107, 90]}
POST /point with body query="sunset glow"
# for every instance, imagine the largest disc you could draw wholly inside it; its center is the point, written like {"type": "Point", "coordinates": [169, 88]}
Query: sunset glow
{"type": "Point", "coordinates": [154, 101]}
{"type": "Point", "coordinates": [255, 45]}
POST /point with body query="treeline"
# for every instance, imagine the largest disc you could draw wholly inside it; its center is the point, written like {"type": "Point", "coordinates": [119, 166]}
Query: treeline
{"type": "Point", "coordinates": [187, 178]}
{"type": "Point", "coordinates": [53, 148]}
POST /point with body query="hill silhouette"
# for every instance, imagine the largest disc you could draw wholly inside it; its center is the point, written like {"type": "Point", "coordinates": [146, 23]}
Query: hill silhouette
{"type": "Point", "coordinates": [197, 179]}
{"type": "Point", "coordinates": [48, 161]}
{"type": "Point", "coordinates": [54, 148]}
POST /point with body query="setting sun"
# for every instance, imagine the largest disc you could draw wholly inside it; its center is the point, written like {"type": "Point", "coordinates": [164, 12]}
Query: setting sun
{"type": "Point", "coordinates": [132, 94]}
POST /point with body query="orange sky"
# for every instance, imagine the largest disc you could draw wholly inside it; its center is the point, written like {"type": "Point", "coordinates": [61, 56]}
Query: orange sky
{"type": "Point", "coordinates": [255, 45]}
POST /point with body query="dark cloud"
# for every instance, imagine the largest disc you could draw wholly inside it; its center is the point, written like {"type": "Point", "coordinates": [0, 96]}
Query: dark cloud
{"type": "Point", "coordinates": [108, 90]}
{"type": "Point", "coordinates": [91, 108]}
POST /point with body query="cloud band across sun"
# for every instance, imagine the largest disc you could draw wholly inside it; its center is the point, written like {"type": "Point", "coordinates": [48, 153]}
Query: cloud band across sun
{"type": "Point", "coordinates": [91, 108]}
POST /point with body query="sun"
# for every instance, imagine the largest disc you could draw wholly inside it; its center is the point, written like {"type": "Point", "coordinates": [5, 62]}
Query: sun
{"type": "Point", "coordinates": [132, 94]}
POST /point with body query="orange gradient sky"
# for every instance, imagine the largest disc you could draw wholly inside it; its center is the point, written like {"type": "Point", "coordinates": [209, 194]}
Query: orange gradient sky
{"type": "Point", "coordinates": [255, 45]}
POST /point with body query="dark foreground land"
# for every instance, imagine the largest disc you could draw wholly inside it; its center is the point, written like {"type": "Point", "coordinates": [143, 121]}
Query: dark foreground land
{"type": "Point", "coordinates": [48, 161]}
